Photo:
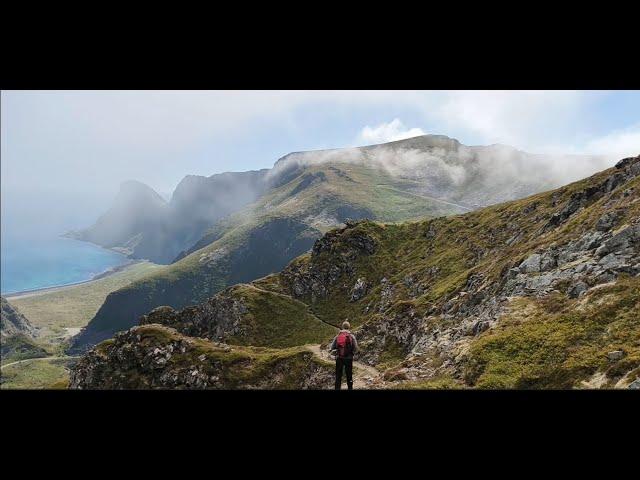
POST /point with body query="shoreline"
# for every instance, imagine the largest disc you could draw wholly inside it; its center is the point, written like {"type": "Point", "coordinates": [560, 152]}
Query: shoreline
{"type": "Point", "coordinates": [39, 291]}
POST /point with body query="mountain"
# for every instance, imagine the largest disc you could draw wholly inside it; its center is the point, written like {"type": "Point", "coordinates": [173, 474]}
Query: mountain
{"type": "Point", "coordinates": [542, 292]}
{"type": "Point", "coordinates": [132, 224]}
{"type": "Point", "coordinates": [17, 334]}
{"type": "Point", "coordinates": [141, 224]}
{"type": "Point", "coordinates": [307, 193]}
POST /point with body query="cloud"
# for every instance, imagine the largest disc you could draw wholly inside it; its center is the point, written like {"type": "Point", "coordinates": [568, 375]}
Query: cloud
{"type": "Point", "coordinates": [388, 132]}
{"type": "Point", "coordinates": [523, 119]}
{"type": "Point", "coordinates": [619, 143]}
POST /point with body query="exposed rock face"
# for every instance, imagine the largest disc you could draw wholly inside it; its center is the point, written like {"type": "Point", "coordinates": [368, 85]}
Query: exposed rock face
{"type": "Point", "coordinates": [217, 319]}
{"type": "Point", "coordinates": [12, 322]}
{"type": "Point", "coordinates": [17, 335]}
{"type": "Point", "coordinates": [359, 290]}
{"type": "Point", "coordinates": [155, 357]}
{"type": "Point", "coordinates": [344, 246]}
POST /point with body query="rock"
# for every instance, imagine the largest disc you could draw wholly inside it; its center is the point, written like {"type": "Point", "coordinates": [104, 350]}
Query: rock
{"type": "Point", "coordinates": [577, 289]}
{"type": "Point", "coordinates": [607, 221]}
{"type": "Point", "coordinates": [513, 273]}
{"type": "Point", "coordinates": [620, 241]}
{"type": "Point", "coordinates": [635, 385]}
{"type": "Point", "coordinates": [548, 261]}
{"type": "Point", "coordinates": [531, 264]}
{"type": "Point", "coordinates": [479, 327]}
{"type": "Point", "coordinates": [625, 162]}
{"type": "Point", "coordinates": [615, 355]}
{"type": "Point", "coordinates": [359, 290]}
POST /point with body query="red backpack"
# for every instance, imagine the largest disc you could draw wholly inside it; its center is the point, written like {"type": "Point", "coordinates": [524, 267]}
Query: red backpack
{"type": "Point", "coordinates": [344, 344]}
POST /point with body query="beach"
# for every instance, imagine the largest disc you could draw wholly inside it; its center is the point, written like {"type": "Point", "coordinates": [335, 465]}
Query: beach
{"type": "Point", "coordinates": [58, 288]}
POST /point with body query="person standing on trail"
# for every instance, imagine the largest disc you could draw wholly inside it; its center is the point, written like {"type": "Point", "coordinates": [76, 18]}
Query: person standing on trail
{"type": "Point", "coordinates": [344, 346]}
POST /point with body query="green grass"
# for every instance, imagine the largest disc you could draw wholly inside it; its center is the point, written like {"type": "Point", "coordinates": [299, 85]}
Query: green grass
{"type": "Point", "coordinates": [36, 374]}
{"type": "Point", "coordinates": [74, 306]}
{"type": "Point", "coordinates": [195, 277]}
{"type": "Point", "coordinates": [277, 320]}
{"type": "Point", "coordinates": [20, 347]}
{"type": "Point", "coordinates": [558, 346]}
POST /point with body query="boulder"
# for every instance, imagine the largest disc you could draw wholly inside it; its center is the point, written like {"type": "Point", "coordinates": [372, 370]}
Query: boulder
{"type": "Point", "coordinates": [359, 290]}
{"type": "Point", "coordinates": [615, 355]}
{"type": "Point", "coordinates": [531, 264]}
{"type": "Point", "coordinates": [606, 221]}
{"type": "Point", "coordinates": [577, 289]}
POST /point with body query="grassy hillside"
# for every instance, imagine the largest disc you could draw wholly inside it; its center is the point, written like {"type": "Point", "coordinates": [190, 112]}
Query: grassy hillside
{"type": "Point", "coordinates": [36, 374]}
{"type": "Point", "coordinates": [72, 307]}
{"type": "Point", "coordinates": [561, 342]}
{"type": "Point", "coordinates": [536, 293]}
{"type": "Point", "coordinates": [263, 238]}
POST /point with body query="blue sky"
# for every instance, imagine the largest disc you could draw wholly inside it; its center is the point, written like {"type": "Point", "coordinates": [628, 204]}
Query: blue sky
{"type": "Point", "coordinates": [82, 145]}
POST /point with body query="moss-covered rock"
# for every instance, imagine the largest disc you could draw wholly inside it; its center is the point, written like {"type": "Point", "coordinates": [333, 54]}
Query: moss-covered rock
{"type": "Point", "coordinates": [158, 357]}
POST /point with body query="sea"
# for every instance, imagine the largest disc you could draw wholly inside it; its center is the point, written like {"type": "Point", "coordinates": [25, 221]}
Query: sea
{"type": "Point", "coordinates": [35, 255]}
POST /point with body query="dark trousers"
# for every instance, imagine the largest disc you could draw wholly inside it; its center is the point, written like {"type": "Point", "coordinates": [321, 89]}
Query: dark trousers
{"type": "Point", "coordinates": [347, 365]}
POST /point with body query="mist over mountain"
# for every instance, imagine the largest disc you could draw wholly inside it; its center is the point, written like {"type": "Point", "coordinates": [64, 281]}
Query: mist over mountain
{"type": "Point", "coordinates": [142, 225]}
{"type": "Point", "coordinates": [252, 224]}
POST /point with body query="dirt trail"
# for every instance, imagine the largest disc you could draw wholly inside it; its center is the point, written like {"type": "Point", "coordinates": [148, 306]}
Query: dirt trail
{"type": "Point", "coordinates": [37, 359]}
{"type": "Point", "coordinates": [363, 374]}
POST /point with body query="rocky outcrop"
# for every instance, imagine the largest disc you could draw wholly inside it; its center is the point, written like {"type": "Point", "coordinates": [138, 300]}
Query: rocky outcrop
{"type": "Point", "coordinates": [219, 318]}
{"type": "Point", "coordinates": [343, 246]}
{"type": "Point", "coordinates": [12, 322]}
{"type": "Point", "coordinates": [17, 335]}
{"type": "Point", "coordinates": [157, 357]}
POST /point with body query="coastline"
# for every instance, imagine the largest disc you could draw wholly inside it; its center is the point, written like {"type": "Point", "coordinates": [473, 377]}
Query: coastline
{"type": "Point", "coordinates": [55, 288]}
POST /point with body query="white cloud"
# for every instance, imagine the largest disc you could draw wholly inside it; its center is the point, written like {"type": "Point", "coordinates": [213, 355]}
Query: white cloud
{"type": "Point", "coordinates": [620, 143]}
{"type": "Point", "coordinates": [388, 132]}
{"type": "Point", "coordinates": [523, 119]}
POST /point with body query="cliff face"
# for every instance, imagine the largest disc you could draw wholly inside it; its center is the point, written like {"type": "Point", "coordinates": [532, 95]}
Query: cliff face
{"type": "Point", "coordinates": [17, 335]}
{"type": "Point", "coordinates": [141, 224]}
{"type": "Point", "coordinates": [542, 292]}
{"type": "Point", "coordinates": [12, 322]}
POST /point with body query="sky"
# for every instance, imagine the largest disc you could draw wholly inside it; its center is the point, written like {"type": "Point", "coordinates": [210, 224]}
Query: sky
{"type": "Point", "coordinates": [76, 147]}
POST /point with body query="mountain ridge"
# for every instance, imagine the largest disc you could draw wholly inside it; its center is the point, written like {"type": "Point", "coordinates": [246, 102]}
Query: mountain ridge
{"type": "Point", "coordinates": [305, 195]}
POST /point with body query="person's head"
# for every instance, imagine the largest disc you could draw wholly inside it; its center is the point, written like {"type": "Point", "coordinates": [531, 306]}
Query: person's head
{"type": "Point", "coordinates": [346, 325]}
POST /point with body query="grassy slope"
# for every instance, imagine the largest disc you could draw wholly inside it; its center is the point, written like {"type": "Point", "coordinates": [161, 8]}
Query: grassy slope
{"type": "Point", "coordinates": [557, 344]}
{"type": "Point", "coordinates": [19, 347]}
{"type": "Point", "coordinates": [461, 245]}
{"type": "Point", "coordinates": [37, 374]}
{"type": "Point", "coordinates": [74, 306]}
{"type": "Point", "coordinates": [550, 342]}
{"type": "Point", "coordinates": [278, 321]}
{"type": "Point", "coordinates": [195, 278]}
{"type": "Point", "coordinates": [561, 341]}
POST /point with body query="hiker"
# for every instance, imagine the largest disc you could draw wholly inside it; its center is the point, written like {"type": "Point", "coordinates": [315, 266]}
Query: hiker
{"type": "Point", "coordinates": [344, 345]}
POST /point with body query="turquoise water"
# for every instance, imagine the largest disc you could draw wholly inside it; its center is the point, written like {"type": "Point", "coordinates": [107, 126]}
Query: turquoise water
{"type": "Point", "coordinates": [51, 261]}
